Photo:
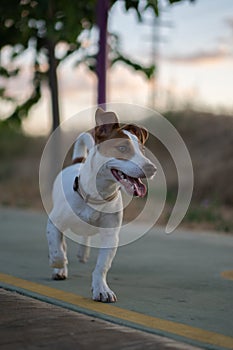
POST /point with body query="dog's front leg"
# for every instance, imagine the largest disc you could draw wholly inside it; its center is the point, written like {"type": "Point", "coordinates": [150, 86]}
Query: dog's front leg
{"type": "Point", "coordinates": [100, 288]}
{"type": "Point", "coordinates": [57, 252]}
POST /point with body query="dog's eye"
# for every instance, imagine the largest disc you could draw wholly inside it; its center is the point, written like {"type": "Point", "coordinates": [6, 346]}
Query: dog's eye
{"type": "Point", "coordinates": [122, 149]}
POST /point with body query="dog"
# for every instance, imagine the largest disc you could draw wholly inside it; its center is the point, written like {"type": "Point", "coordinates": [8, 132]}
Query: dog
{"type": "Point", "coordinates": [87, 195]}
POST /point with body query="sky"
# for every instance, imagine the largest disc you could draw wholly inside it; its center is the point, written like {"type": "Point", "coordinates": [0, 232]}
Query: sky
{"type": "Point", "coordinates": [193, 46]}
{"type": "Point", "coordinates": [194, 53]}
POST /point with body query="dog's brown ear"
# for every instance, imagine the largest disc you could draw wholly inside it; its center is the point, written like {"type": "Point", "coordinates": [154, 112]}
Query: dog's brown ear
{"type": "Point", "coordinates": [105, 122]}
{"type": "Point", "coordinates": [141, 133]}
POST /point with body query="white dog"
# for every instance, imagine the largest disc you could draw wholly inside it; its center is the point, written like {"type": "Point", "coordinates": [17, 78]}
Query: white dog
{"type": "Point", "coordinates": [87, 199]}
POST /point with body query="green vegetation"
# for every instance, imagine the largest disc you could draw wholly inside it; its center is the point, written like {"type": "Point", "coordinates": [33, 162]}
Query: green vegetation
{"type": "Point", "coordinates": [212, 215]}
{"type": "Point", "coordinates": [209, 139]}
{"type": "Point", "coordinates": [20, 157]}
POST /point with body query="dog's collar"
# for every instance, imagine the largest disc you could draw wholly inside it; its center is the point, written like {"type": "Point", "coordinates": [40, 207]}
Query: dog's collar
{"type": "Point", "coordinates": [78, 160]}
{"type": "Point", "coordinates": [87, 197]}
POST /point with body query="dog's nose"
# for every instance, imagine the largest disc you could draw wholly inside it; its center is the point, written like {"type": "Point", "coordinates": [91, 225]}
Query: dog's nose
{"type": "Point", "coordinates": [149, 169]}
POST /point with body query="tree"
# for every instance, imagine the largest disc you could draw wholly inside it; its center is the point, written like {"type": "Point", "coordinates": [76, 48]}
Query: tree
{"type": "Point", "coordinates": [44, 24]}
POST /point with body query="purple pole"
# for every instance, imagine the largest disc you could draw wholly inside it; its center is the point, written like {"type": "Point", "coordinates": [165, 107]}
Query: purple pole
{"type": "Point", "coordinates": [101, 66]}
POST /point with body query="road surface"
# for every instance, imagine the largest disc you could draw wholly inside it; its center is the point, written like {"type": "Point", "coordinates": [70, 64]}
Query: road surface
{"type": "Point", "coordinates": [178, 285]}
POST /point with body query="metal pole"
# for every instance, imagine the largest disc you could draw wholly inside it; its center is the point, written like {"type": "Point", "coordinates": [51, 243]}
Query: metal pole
{"type": "Point", "coordinates": [101, 66]}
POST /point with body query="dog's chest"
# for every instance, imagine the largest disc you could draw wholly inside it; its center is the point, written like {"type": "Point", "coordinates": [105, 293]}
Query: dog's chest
{"type": "Point", "coordinates": [88, 214]}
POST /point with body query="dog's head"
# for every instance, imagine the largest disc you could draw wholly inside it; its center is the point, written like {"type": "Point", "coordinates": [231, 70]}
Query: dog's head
{"type": "Point", "coordinates": [122, 147]}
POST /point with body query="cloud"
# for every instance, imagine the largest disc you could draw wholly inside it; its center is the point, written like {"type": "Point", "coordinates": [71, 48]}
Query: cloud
{"type": "Point", "coordinates": [201, 57]}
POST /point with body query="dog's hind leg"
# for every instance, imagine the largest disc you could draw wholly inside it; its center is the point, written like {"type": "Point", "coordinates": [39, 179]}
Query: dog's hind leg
{"type": "Point", "coordinates": [84, 249]}
{"type": "Point", "coordinates": [57, 252]}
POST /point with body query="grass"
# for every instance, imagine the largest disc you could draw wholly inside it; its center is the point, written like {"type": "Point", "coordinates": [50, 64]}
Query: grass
{"type": "Point", "coordinates": [212, 216]}
{"type": "Point", "coordinates": [20, 157]}
{"type": "Point", "coordinates": [202, 215]}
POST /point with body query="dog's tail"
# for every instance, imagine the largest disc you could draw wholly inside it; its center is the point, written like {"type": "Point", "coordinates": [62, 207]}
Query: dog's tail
{"type": "Point", "coordinates": [81, 147]}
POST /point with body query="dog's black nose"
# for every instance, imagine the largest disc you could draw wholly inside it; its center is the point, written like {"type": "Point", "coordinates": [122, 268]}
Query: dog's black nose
{"type": "Point", "coordinates": [149, 169]}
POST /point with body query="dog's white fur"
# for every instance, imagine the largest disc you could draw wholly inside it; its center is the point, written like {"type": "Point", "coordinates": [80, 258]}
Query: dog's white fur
{"type": "Point", "coordinates": [70, 211]}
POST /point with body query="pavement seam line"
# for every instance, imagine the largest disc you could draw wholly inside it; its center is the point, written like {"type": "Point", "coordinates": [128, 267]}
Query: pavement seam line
{"type": "Point", "coordinates": [154, 323]}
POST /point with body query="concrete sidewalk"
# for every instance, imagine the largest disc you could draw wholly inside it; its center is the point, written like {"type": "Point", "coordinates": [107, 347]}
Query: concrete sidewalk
{"type": "Point", "coordinates": [30, 324]}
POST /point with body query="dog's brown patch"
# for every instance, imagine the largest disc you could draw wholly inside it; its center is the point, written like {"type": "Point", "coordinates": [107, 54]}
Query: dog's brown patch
{"type": "Point", "coordinates": [115, 143]}
{"type": "Point", "coordinates": [119, 148]}
{"type": "Point", "coordinates": [141, 133]}
{"type": "Point", "coordinates": [110, 137]}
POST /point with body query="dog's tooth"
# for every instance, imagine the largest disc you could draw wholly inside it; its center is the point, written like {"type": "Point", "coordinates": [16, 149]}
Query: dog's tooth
{"type": "Point", "coordinates": [120, 174]}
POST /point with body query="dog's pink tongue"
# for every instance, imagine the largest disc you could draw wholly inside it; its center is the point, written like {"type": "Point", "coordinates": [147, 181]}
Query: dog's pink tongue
{"type": "Point", "coordinates": [139, 187]}
{"type": "Point", "coordinates": [134, 186]}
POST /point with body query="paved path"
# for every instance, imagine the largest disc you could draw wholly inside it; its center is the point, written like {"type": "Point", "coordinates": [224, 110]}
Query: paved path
{"type": "Point", "coordinates": [27, 323]}
{"type": "Point", "coordinates": [179, 285]}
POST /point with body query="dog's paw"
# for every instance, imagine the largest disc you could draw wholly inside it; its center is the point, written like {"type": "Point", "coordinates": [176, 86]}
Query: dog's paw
{"type": "Point", "coordinates": [104, 294]}
{"type": "Point", "coordinates": [60, 274]}
{"type": "Point", "coordinates": [58, 262]}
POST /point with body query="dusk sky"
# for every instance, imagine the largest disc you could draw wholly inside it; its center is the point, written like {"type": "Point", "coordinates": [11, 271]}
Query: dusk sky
{"type": "Point", "coordinates": [194, 62]}
{"type": "Point", "coordinates": [195, 54]}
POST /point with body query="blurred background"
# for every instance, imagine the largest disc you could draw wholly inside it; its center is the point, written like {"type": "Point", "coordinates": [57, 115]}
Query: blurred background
{"type": "Point", "coordinates": [172, 56]}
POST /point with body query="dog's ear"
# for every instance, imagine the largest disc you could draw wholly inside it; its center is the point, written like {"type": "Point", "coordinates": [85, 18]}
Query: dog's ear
{"type": "Point", "coordinates": [141, 133]}
{"type": "Point", "coordinates": [102, 117]}
{"type": "Point", "coordinates": [105, 122]}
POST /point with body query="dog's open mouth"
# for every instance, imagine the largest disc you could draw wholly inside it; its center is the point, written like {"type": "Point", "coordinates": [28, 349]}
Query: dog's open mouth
{"type": "Point", "coordinates": [132, 185]}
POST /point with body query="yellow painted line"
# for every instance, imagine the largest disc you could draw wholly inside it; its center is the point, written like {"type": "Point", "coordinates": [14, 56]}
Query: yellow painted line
{"type": "Point", "coordinates": [227, 275]}
{"type": "Point", "coordinates": [179, 329]}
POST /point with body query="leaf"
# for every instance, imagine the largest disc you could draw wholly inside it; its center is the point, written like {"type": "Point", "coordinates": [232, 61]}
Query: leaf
{"type": "Point", "coordinates": [153, 4]}
{"type": "Point", "coordinates": [5, 73]}
{"type": "Point", "coordinates": [133, 4]}
{"type": "Point", "coordinates": [148, 71]}
{"type": "Point", "coordinates": [21, 111]}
